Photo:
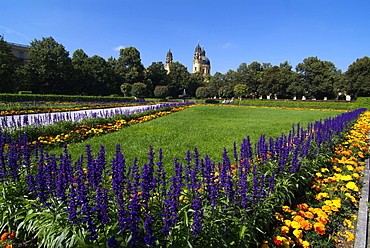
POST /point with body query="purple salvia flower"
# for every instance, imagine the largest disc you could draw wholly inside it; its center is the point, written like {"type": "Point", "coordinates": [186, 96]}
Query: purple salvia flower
{"type": "Point", "coordinates": [197, 216]}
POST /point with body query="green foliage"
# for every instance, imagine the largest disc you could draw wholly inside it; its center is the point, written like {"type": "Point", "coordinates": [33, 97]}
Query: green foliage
{"type": "Point", "coordinates": [129, 66]}
{"type": "Point", "coordinates": [202, 92]}
{"type": "Point", "coordinates": [316, 78]}
{"type": "Point", "coordinates": [139, 90]}
{"type": "Point", "coordinates": [126, 89]}
{"type": "Point", "coordinates": [8, 65]}
{"type": "Point", "coordinates": [24, 92]}
{"type": "Point", "coordinates": [43, 97]}
{"type": "Point", "coordinates": [240, 90]}
{"type": "Point", "coordinates": [226, 92]}
{"type": "Point", "coordinates": [178, 78]}
{"type": "Point", "coordinates": [357, 78]}
{"type": "Point", "coordinates": [362, 102]}
{"type": "Point", "coordinates": [161, 91]}
{"type": "Point", "coordinates": [211, 101]}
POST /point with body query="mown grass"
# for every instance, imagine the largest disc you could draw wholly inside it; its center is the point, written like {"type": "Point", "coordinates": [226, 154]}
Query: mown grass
{"type": "Point", "coordinates": [209, 128]}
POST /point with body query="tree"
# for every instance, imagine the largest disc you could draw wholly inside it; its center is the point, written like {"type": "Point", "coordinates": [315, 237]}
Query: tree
{"type": "Point", "coordinates": [240, 90]}
{"type": "Point", "coordinates": [49, 69]}
{"type": "Point", "coordinates": [139, 90]}
{"type": "Point", "coordinates": [226, 92]}
{"type": "Point", "coordinates": [202, 92]}
{"type": "Point", "coordinates": [215, 83]}
{"type": "Point", "coordinates": [276, 80]}
{"type": "Point", "coordinates": [93, 75]}
{"type": "Point", "coordinates": [102, 77]}
{"type": "Point", "coordinates": [128, 66]}
{"type": "Point", "coordinates": [8, 65]}
{"type": "Point", "coordinates": [178, 76]}
{"type": "Point", "coordinates": [195, 81]}
{"type": "Point", "coordinates": [157, 74]}
{"type": "Point", "coordinates": [161, 91]}
{"type": "Point", "coordinates": [81, 71]}
{"type": "Point", "coordinates": [357, 78]}
{"type": "Point", "coordinates": [126, 89]}
{"type": "Point", "coordinates": [317, 78]}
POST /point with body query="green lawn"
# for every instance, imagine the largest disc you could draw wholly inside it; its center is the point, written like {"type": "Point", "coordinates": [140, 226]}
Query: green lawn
{"type": "Point", "coordinates": [209, 128]}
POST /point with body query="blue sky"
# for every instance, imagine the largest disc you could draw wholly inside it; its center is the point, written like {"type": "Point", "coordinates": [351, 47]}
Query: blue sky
{"type": "Point", "coordinates": [231, 32]}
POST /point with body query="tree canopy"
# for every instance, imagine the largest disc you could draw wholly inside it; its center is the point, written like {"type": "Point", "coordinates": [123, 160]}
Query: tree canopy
{"type": "Point", "coordinates": [51, 70]}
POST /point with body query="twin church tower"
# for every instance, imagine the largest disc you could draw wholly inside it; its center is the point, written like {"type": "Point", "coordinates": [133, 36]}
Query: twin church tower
{"type": "Point", "coordinates": [200, 63]}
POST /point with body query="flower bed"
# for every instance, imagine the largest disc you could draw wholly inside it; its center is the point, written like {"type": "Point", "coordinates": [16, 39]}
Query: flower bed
{"type": "Point", "coordinates": [335, 198]}
{"type": "Point", "coordinates": [204, 203]}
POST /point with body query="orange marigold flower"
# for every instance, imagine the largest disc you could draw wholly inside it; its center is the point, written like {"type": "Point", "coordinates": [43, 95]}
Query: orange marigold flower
{"type": "Point", "coordinates": [12, 235]}
{"type": "Point", "coordinates": [326, 208]}
{"type": "Point", "coordinates": [4, 237]}
{"type": "Point", "coordinates": [308, 214]}
{"type": "Point", "coordinates": [319, 228]}
{"type": "Point", "coordinates": [284, 229]}
{"type": "Point", "coordinates": [281, 241]}
{"type": "Point", "coordinates": [306, 225]}
{"type": "Point", "coordinates": [286, 208]}
{"type": "Point", "coordinates": [303, 206]}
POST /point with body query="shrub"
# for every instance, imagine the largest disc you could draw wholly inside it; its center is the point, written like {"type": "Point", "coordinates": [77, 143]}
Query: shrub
{"type": "Point", "coordinates": [211, 101]}
{"type": "Point", "coordinates": [202, 92]}
{"type": "Point", "coordinates": [139, 90]}
{"type": "Point", "coordinates": [161, 91]}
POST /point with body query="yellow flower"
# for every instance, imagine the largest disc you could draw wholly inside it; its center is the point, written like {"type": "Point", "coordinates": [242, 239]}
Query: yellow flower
{"type": "Point", "coordinates": [284, 229]}
{"type": "Point", "coordinates": [295, 225]}
{"type": "Point", "coordinates": [323, 170]}
{"type": "Point", "coordinates": [321, 195]}
{"type": "Point", "coordinates": [279, 216]}
{"type": "Point", "coordinates": [346, 177]}
{"type": "Point", "coordinates": [356, 175]}
{"type": "Point", "coordinates": [352, 186]}
{"type": "Point", "coordinates": [350, 236]}
{"type": "Point", "coordinates": [305, 244]}
{"type": "Point", "coordinates": [298, 233]}
{"type": "Point", "coordinates": [288, 223]}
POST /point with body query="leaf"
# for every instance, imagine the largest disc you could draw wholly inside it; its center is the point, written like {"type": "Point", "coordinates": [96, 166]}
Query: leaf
{"type": "Point", "coordinates": [242, 231]}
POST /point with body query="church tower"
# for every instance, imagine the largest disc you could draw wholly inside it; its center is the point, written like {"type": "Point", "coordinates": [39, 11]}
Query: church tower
{"type": "Point", "coordinates": [201, 63]}
{"type": "Point", "coordinates": [169, 59]}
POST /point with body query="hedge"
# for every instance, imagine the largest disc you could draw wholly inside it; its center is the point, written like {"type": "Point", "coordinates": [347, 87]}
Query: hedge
{"type": "Point", "coordinates": [41, 97]}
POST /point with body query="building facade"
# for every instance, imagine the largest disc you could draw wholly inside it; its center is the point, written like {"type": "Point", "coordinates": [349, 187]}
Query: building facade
{"type": "Point", "coordinates": [19, 50]}
{"type": "Point", "coordinates": [169, 60]}
{"type": "Point", "coordinates": [201, 63]}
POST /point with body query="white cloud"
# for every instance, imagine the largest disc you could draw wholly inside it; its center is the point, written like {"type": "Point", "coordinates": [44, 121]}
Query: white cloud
{"type": "Point", "coordinates": [228, 45]}
{"type": "Point", "coordinates": [118, 48]}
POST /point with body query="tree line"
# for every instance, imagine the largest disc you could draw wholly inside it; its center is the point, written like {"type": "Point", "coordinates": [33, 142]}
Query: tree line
{"type": "Point", "coordinates": [51, 70]}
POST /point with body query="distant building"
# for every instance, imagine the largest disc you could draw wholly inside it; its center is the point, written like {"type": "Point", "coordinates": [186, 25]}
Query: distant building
{"type": "Point", "coordinates": [201, 63]}
{"type": "Point", "coordinates": [19, 50]}
{"type": "Point", "coordinates": [169, 60]}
